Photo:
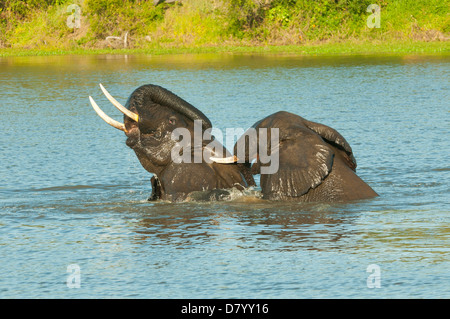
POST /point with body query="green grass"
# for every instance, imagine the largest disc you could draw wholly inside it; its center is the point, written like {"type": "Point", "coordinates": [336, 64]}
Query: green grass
{"type": "Point", "coordinates": [442, 48]}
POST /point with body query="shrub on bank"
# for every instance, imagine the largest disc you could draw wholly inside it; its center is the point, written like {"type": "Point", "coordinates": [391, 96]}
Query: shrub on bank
{"type": "Point", "coordinates": [139, 23]}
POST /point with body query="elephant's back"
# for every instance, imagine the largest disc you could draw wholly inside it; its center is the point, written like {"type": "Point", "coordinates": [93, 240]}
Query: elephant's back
{"type": "Point", "coordinates": [342, 184]}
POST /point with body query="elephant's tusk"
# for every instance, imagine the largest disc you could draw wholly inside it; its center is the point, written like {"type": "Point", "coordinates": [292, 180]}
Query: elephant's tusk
{"type": "Point", "coordinates": [220, 160]}
{"type": "Point", "coordinates": [226, 160]}
{"type": "Point", "coordinates": [121, 108]}
{"type": "Point", "coordinates": [105, 117]}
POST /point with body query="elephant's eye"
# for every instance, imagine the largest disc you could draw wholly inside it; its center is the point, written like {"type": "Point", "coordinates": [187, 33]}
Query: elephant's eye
{"type": "Point", "coordinates": [172, 120]}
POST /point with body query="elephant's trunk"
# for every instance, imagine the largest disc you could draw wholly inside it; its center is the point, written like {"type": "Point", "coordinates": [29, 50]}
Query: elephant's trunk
{"type": "Point", "coordinates": [159, 95]}
{"type": "Point", "coordinates": [245, 169]}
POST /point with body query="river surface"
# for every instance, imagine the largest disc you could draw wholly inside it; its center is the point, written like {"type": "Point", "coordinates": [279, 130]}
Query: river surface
{"type": "Point", "coordinates": [73, 195]}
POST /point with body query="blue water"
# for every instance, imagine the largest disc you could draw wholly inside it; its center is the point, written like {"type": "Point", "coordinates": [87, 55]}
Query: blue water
{"type": "Point", "coordinates": [72, 192]}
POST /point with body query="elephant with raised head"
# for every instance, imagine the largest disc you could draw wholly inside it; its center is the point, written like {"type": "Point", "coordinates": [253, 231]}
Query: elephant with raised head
{"type": "Point", "coordinates": [315, 162]}
{"type": "Point", "coordinates": [152, 115]}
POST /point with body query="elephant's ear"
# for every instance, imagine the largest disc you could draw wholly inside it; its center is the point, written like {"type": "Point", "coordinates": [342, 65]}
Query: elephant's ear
{"type": "Point", "coordinates": [335, 139]}
{"type": "Point", "coordinates": [305, 160]}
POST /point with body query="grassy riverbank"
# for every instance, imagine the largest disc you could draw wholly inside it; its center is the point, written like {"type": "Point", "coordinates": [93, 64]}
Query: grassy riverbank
{"type": "Point", "coordinates": [321, 49]}
{"type": "Point", "coordinates": [49, 27]}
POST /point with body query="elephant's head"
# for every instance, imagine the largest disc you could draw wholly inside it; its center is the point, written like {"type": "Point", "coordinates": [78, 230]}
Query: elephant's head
{"type": "Point", "coordinates": [151, 114]}
{"type": "Point", "coordinates": [315, 162]}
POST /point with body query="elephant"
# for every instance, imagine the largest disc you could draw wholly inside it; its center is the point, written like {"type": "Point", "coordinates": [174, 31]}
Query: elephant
{"type": "Point", "coordinates": [152, 116]}
{"type": "Point", "coordinates": [315, 162]}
